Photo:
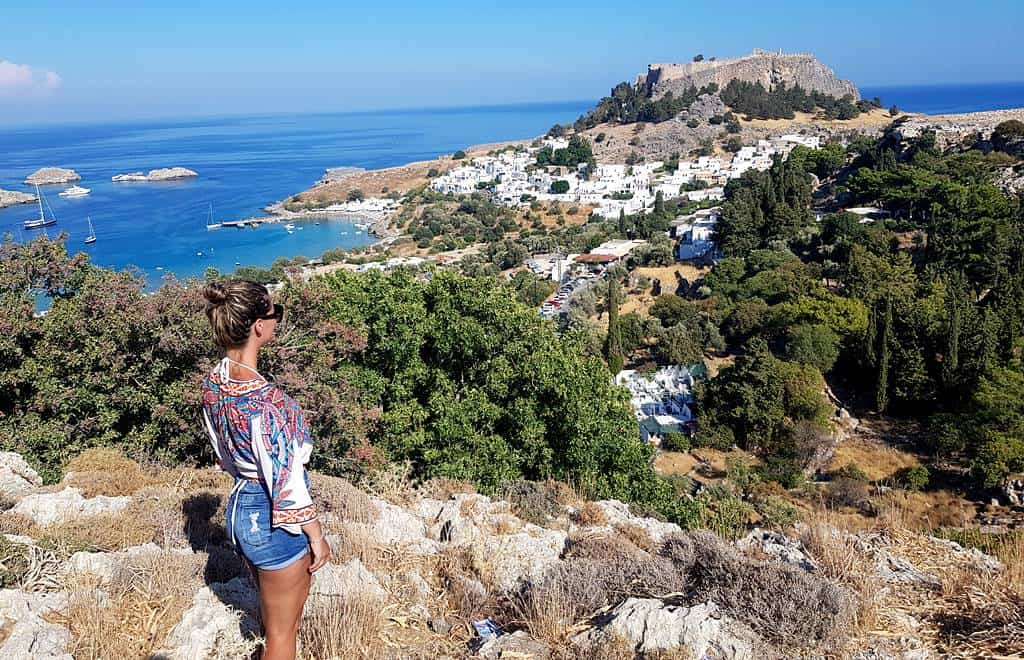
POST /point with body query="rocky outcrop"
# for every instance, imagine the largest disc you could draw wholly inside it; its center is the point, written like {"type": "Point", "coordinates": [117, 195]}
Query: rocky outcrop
{"type": "Point", "coordinates": [1013, 489]}
{"type": "Point", "coordinates": [209, 629]}
{"type": "Point", "coordinates": [171, 173]}
{"type": "Point", "coordinates": [24, 633]}
{"type": "Point", "coordinates": [778, 546]}
{"type": "Point", "coordinates": [346, 579]}
{"type": "Point", "coordinates": [104, 565]}
{"type": "Point", "coordinates": [13, 197]}
{"type": "Point", "coordinates": [17, 478]}
{"type": "Point", "coordinates": [767, 68]}
{"type": "Point", "coordinates": [159, 174]}
{"type": "Point", "coordinates": [50, 175]}
{"type": "Point", "coordinates": [49, 508]}
{"type": "Point", "coordinates": [649, 624]}
{"type": "Point", "coordinates": [515, 645]}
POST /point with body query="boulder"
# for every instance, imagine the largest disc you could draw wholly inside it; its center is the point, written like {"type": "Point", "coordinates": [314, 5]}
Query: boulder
{"type": "Point", "coordinates": [396, 525]}
{"type": "Point", "coordinates": [48, 508]}
{"type": "Point", "coordinates": [51, 175]}
{"type": "Point", "coordinates": [104, 565]}
{"type": "Point", "coordinates": [649, 624]}
{"type": "Point", "coordinates": [514, 645]}
{"type": "Point", "coordinates": [1013, 489]}
{"type": "Point", "coordinates": [345, 579]}
{"type": "Point", "coordinates": [454, 522]}
{"type": "Point", "coordinates": [890, 567]}
{"type": "Point", "coordinates": [525, 555]}
{"type": "Point", "coordinates": [17, 478]}
{"type": "Point", "coordinates": [211, 629]}
{"type": "Point", "coordinates": [23, 631]}
{"type": "Point", "coordinates": [778, 546]}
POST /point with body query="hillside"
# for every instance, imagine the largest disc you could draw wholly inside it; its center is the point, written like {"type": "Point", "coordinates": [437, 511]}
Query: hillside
{"type": "Point", "coordinates": [123, 561]}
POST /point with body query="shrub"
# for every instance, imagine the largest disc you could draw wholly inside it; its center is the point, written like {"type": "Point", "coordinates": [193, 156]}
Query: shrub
{"type": "Point", "coordinates": [782, 603]}
{"type": "Point", "coordinates": [693, 123]}
{"type": "Point", "coordinates": [534, 501]}
{"type": "Point", "coordinates": [777, 512]}
{"type": "Point", "coordinates": [675, 442]}
{"type": "Point", "coordinates": [459, 155]}
{"type": "Point", "coordinates": [716, 437]}
{"type": "Point", "coordinates": [355, 195]}
{"type": "Point", "coordinates": [914, 478]}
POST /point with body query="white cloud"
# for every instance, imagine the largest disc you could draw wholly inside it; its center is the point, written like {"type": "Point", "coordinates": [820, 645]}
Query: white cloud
{"type": "Point", "coordinates": [23, 79]}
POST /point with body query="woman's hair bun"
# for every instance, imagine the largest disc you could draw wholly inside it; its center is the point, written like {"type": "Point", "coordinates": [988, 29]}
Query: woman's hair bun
{"type": "Point", "coordinates": [215, 293]}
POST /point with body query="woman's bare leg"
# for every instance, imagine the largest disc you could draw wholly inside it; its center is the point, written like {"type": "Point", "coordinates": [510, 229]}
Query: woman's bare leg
{"type": "Point", "coordinates": [283, 593]}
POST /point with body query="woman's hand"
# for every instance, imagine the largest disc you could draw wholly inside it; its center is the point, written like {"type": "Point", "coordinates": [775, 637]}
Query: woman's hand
{"type": "Point", "coordinates": [321, 553]}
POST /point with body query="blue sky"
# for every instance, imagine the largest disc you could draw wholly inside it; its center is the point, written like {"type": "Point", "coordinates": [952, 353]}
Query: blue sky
{"type": "Point", "coordinates": [67, 61]}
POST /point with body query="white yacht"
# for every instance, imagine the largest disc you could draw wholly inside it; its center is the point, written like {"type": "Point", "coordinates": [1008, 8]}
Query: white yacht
{"type": "Point", "coordinates": [75, 191]}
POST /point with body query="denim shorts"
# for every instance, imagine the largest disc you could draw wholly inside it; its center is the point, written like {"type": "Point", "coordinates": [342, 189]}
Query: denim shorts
{"type": "Point", "coordinates": [248, 525]}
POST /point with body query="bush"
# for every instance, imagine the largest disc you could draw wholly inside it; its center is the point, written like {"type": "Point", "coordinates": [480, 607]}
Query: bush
{"type": "Point", "coordinates": [693, 123]}
{"type": "Point", "coordinates": [355, 195]}
{"type": "Point", "coordinates": [535, 501]}
{"type": "Point", "coordinates": [559, 187]}
{"type": "Point", "coordinates": [914, 478]}
{"type": "Point", "coordinates": [459, 155]}
{"type": "Point", "coordinates": [777, 512]}
{"type": "Point", "coordinates": [717, 437]}
{"type": "Point", "coordinates": [675, 442]}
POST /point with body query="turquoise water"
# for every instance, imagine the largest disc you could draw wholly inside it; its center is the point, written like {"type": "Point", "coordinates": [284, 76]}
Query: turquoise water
{"type": "Point", "coordinates": [244, 163]}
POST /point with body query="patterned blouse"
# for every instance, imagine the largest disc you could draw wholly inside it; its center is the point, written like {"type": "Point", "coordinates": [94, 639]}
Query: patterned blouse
{"type": "Point", "coordinates": [258, 433]}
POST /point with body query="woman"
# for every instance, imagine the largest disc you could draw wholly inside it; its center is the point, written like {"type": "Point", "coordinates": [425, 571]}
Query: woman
{"type": "Point", "coordinates": [261, 439]}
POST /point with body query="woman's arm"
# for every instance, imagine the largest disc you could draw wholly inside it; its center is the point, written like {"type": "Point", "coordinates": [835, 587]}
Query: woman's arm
{"type": "Point", "coordinates": [276, 451]}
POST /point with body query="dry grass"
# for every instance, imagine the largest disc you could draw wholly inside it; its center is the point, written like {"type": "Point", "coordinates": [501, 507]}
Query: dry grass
{"type": "Point", "coordinates": [354, 540]}
{"type": "Point", "coordinates": [392, 483]}
{"type": "Point", "coordinates": [341, 499]}
{"type": "Point", "coordinates": [348, 626]}
{"type": "Point", "coordinates": [878, 460]}
{"type": "Point", "coordinates": [17, 523]}
{"type": "Point", "coordinates": [637, 535]}
{"type": "Point", "coordinates": [442, 488]}
{"type": "Point", "coordinates": [104, 471]}
{"type": "Point", "coordinates": [132, 617]}
{"type": "Point", "coordinates": [590, 515]}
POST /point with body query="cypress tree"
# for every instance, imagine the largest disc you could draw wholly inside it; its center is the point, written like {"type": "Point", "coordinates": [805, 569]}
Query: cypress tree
{"type": "Point", "coordinates": [613, 348]}
{"type": "Point", "coordinates": [882, 389]}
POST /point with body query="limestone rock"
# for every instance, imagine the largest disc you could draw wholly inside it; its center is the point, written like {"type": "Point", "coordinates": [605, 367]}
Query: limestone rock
{"type": "Point", "coordinates": [170, 173]}
{"type": "Point", "coordinates": [525, 555]}
{"type": "Point", "coordinates": [17, 478]}
{"type": "Point", "coordinates": [49, 175]}
{"type": "Point", "coordinates": [23, 631]}
{"type": "Point", "coordinates": [618, 513]}
{"type": "Point", "coordinates": [346, 579]}
{"type": "Point", "coordinates": [131, 176]}
{"type": "Point", "coordinates": [1013, 489]}
{"type": "Point", "coordinates": [648, 624]}
{"type": "Point", "coordinates": [104, 565]}
{"type": "Point", "coordinates": [210, 629]}
{"type": "Point", "coordinates": [12, 197]}
{"type": "Point", "coordinates": [779, 546]}
{"type": "Point", "coordinates": [396, 525]}
{"type": "Point", "coordinates": [514, 645]}
{"type": "Point", "coordinates": [890, 567]}
{"type": "Point", "coordinates": [454, 522]}
{"type": "Point", "coordinates": [48, 508]}
{"type": "Point", "coordinates": [768, 68]}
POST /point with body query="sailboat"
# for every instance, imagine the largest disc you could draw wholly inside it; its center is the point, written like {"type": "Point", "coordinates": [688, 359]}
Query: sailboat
{"type": "Point", "coordinates": [210, 224]}
{"type": "Point", "coordinates": [43, 221]}
{"type": "Point", "coordinates": [91, 238]}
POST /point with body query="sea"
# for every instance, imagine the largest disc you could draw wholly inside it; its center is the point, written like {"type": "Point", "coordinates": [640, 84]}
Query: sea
{"type": "Point", "coordinates": [246, 163]}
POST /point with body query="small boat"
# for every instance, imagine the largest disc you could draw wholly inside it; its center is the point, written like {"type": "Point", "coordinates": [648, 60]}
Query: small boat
{"type": "Point", "coordinates": [289, 226]}
{"type": "Point", "coordinates": [199, 254]}
{"type": "Point", "coordinates": [75, 191]}
{"type": "Point", "coordinates": [210, 224]}
{"type": "Point", "coordinates": [43, 221]}
{"type": "Point", "coordinates": [91, 238]}
{"type": "Point", "coordinates": [361, 225]}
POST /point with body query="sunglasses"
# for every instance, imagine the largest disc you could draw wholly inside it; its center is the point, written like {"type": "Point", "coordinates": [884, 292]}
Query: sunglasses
{"type": "Point", "coordinates": [277, 313]}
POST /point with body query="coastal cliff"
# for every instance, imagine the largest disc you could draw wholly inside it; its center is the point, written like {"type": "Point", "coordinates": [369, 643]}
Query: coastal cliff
{"type": "Point", "coordinates": [768, 68]}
